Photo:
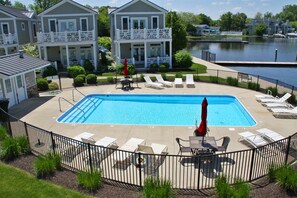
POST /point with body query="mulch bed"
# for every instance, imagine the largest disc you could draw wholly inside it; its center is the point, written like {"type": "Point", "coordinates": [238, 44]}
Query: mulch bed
{"type": "Point", "coordinates": [261, 188]}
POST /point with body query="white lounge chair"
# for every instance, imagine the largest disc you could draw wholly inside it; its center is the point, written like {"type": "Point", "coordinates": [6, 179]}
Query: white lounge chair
{"type": "Point", "coordinates": [150, 83]}
{"type": "Point", "coordinates": [270, 135]}
{"type": "Point", "coordinates": [279, 100]}
{"type": "Point", "coordinates": [254, 140]}
{"type": "Point", "coordinates": [262, 96]}
{"type": "Point", "coordinates": [162, 81]}
{"type": "Point", "coordinates": [190, 80]}
{"type": "Point", "coordinates": [85, 135]}
{"type": "Point", "coordinates": [284, 110]}
{"type": "Point", "coordinates": [178, 82]}
{"type": "Point", "coordinates": [276, 105]}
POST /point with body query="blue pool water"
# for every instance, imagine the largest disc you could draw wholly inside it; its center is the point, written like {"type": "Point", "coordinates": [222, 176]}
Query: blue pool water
{"type": "Point", "coordinates": [162, 110]}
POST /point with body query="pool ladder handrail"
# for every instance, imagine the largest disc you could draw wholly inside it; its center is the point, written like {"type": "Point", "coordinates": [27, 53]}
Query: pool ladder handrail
{"type": "Point", "coordinates": [81, 94]}
{"type": "Point", "coordinates": [71, 104]}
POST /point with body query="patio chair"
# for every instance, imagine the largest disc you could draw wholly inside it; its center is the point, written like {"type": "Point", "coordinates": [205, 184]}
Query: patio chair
{"type": "Point", "coordinates": [85, 135]}
{"type": "Point", "coordinates": [150, 83]}
{"type": "Point", "coordinates": [284, 110]}
{"type": "Point", "coordinates": [178, 82]}
{"type": "Point", "coordinates": [162, 81]}
{"type": "Point", "coordinates": [270, 135]}
{"type": "Point", "coordinates": [279, 100]}
{"type": "Point", "coordinates": [254, 140]}
{"type": "Point", "coordinates": [190, 80]}
{"type": "Point", "coordinates": [182, 148]}
{"type": "Point", "coordinates": [276, 105]}
{"type": "Point", "coordinates": [225, 143]}
{"type": "Point", "coordinates": [262, 96]}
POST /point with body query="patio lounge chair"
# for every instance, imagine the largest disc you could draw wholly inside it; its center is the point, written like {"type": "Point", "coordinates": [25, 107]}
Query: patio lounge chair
{"type": "Point", "coordinates": [85, 135]}
{"type": "Point", "coordinates": [178, 82]}
{"type": "Point", "coordinates": [270, 135]}
{"type": "Point", "coordinates": [121, 157]}
{"type": "Point", "coordinates": [262, 96]}
{"type": "Point", "coordinates": [284, 110]}
{"type": "Point", "coordinates": [279, 100]}
{"type": "Point", "coordinates": [254, 140]}
{"type": "Point", "coordinates": [276, 105]}
{"type": "Point", "coordinates": [190, 80]}
{"type": "Point", "coordinates": [162, 81]}
{"type": "Point", "coordinates": [150, 83]}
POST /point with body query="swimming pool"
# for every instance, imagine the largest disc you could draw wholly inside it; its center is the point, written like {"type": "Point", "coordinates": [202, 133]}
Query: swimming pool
{"type": "Point", "coordinates": [161, 110]}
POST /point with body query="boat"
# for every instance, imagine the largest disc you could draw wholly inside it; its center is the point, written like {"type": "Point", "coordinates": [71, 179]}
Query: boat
{"type": "Point", "coordinates": [292, 35]}
{"type": "Point", "coordinates": [279, 35]}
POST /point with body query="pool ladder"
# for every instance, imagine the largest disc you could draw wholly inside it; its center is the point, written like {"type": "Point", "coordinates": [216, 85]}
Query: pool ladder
{"type": "Point", "coordinates": [74, 89]}
{"type": "Point", "coordinates": [60, 98]}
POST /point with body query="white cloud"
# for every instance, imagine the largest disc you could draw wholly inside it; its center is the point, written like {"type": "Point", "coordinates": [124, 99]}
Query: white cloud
{"type": "Point", "coordinates": [236, 9]}
{"type": "Point", "coordinates": [226, 2]}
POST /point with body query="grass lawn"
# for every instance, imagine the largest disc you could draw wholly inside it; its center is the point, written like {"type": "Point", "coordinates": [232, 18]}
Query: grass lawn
{"type": "Point", "coordinates": [17, 183]}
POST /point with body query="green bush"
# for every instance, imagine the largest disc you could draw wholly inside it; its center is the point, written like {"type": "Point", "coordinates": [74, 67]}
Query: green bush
{"type": "Point", "coordinates": [156, 187]}
{"type": "Point", "coordinates": [213, 79]}
{"type": "Point", "coordinates": [9, 149]}
{"type": "Point", "coordinates": [164, 76]}
{"type": "Point", "coordinates": [42, 84]}
{"type": "Point", "coordinates": [56, 159]}
{"type": "Point", "coordinates": [3, 133]}
{"type": "Point", "coordinates": [178, 75]}
{"type": "Point", "coordinates": [110, 79]}
{"type": "Point", "coordinates": [142, 77]}
{"type": "Point", "coordinates": [91, 79]}
{"type": "Point", "coordinates": [83, 76]}
{"type": "Point", "coordinates": [90, 180]}
{"type": "Point", "coordinates": [164, 67]}
{"type": "Point", "coordinates": [23, 144]}
{"type": "Point", "coordinates": [131, 69]}
{"type": "Point", "coordinates": [154, 67]}
{"type": "Point", "coordinates": [104, 41]}
{"type": "Point", "coordinates": [272, 172]}
{"type": "Point", "coordinates": [232, 81]}
{"type": "Point", "coordinates": [286, 177]}
{"type": "Point", "coordinates": [182, 59]}
{"type": "Point", "coordinates": [292, 99]}
{"type": "Point", "coordinates": [75, 70]}
{"type": "Point", "coordinates": [88, 66]}
{"type": "Point", "coordinates": [53, 86]}
{"type": "Point", "coordinates": [224, 190]}
{"type": "Point", "coordinates": [78, 81]}
{"type": "Point", "coordinates": [254, 86]}
{"type": "Point", "coordinates": [273, 90]}
{"type": "Point", "coordinates": [44, 167]}
{"type": "Point", "coordinates": [49, 71]}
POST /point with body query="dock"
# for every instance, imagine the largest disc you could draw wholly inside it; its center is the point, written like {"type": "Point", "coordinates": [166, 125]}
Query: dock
{"type": "Point", "coordinates": [256, 64]}
{"type": "Point", "coordinates": [218, 41]}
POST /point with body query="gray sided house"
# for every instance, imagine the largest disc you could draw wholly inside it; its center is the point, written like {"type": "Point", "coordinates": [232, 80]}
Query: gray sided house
{"type": "Point", "coordinates": [17, 76]}
{"type": "Point", "coordinates": [17, 27]}
{"type": "Point", "coordinates": [68, 34]}
{"type": "Point", "coordinates": [138, 33]}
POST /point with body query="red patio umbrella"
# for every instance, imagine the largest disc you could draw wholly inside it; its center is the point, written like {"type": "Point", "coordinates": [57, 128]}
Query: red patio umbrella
{"type": "Point", "coordinates": [125, 67]}
{"type": "Point", "coordinates": [202, 129]}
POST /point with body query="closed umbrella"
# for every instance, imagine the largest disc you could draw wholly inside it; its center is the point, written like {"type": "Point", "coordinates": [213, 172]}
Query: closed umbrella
{"type": "Point", "coordinates": [202, 129]}
{"type": "Point", "coordinates": [125, 67]}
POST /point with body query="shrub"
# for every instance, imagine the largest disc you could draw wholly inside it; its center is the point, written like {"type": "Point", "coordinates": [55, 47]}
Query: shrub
{"type": "Point", "coordinates": [90, 180]}
{"type": "Point", "coordinates": [23, 144]}
{"type": "Point", "coordinates": [223, 189]}
{"type": "Point", "coordinates": [49, 71]}
{"type": "Point", "coordinates": [110, 79]}
{"type": "Point", "coordinates": [78, 81]}
{"type": "Point", "coordinates": [42, 84]}
{"type": "Point", "coordinates": [178, 75]}
{"type": "Point", "coordinates": [9, 149]}
{"type": "Point", "coordinates": [53, 86]}
{"type": "Point", "coordinates": [3, 133]}
{"type": "Point", "coordinates": [75, 70]}
{"type": "Point", "coordinates": [213, 79]}
{"type": "Point", "coordinates": [142, 77]}
{"type": "Point", "coordinates": [164, 76]}
{"type": "Point", "coordinates": [164, 67]}
{"type": "Point", "coordinates": [88, 66]}
{"type": "Point", "coordinates": [232, 81]}
{"type": "Point", "coordinates": [182, 59]}
{"type": "Point", "coordinates": [91, 79]}
{"type": "Point", "coordinates": [83, 76]}
{"type": "Point", "coordinates": [272, 172]}
{"type": "Point", "coordinates": [155, 187]}
{"type": "Point", "coordinates": [273, 90]}
{"type": "Point", "coordinates": [286, 177]}
{"type": "Point", "coordinates": [154, 67]}
{"type": "Point", "coordinates": [254, 86]}
{"type": "Point", "coordinates": [56, 159]}
{"type": "Point", "coordinates": [131, 69]}
{"type": "Point", "coordinates": [292, 99]}
{"type": "Point", "coordinates": [44, 167]}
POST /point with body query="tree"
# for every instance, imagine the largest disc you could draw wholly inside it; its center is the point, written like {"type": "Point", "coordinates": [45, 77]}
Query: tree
{"type": "Point", "coordinates": [179, 39]}
{"type": "Point", "coordinates": [31, 49]}
{"type": "Point", "coordinates": [238, 21]}
{"type": "Point", "coordinates": [289, 13]}
{"type": "Point", "coordinates": [258, 16]}
{"type": "Point", "coordinates": [268, 15]}
{"type": "Point", "coordinates": [260, 29]}
{"type": "Point", "coordinates": [103, 21]}
{"type": "Point", "coordinates": [226, 21]}
{"type": "Point", "coordinates": [41, 5]}
{"type": "Point", "coordinates": [19, 5]}
{"type": "Point", "coordinates": [5, 2]}
{"type": "Point", "coordinates": [203, 19]}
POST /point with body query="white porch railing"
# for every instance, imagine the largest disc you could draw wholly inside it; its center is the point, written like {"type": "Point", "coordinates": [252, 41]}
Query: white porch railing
{"type": "Point", "coordinates": [77, 36]}
{"type": "Point", "coordinates": [158, 60]}
{"type": "Point", "coordinates": [6, 39]}
{"type": "Point", "coordinates": [141, 34]}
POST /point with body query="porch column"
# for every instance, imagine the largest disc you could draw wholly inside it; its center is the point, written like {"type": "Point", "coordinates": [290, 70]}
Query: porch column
{"type": "Point", "coordinates": [6, 50]}
{"type": "Point", "coordinates": [2, 88]}
{"type": "Point", "coordinates": [95, 55]}
{"type": "Point", "coordinates": [45, 53]}
{"type": "Point", "coordinates": [67, 55]}
{"type": "Point", "coordinates": [170, 54]}
{"type": "Point", "coordinates": [39, 52]}
{"type": "Point", "coordinates": [145, 56]}
{"type": "Point", "coordinates": [119, 53]}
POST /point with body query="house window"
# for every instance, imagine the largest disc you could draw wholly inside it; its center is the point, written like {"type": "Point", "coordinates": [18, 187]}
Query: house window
{"type": "Point", "coordinates": [84, 24]}
{"type": "Point", "coordinates": [5, 28]}
{"type": "Point", "coordinates": [125, 23]}
{"type": "Point", "coordinates": [67, 25]}
{"type": "Point", "coordinates": [34, 29]}
{"type": "Point", "coordinates": [155, 22]}
{"type": "Point", "coordinates": [155, 50]}
{"type": "Point", "coordinates": [52, 25]}
{"type": "Point", "coordinates": [139, 23]}
{"type": "Point", "coordinates": [19, 81]}
{"type": "Point", "coordinates": [8, 86]}
{"type": "Point", "coordinates": [23, 26]}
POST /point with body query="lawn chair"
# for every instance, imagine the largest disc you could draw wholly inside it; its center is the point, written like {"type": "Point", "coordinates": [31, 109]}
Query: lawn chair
{"type": "Point", "coordinates": [150, 83]}
{"type": "Point", "coordinates": [162, 81]}
{"type": "Point", "coordinates": [190, 80]}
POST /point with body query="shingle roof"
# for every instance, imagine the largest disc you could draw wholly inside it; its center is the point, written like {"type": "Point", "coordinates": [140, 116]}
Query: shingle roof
{"type": "Point", "coordinates": [19, 13]}
{"type": "Point", "coordinates": [12, 64]}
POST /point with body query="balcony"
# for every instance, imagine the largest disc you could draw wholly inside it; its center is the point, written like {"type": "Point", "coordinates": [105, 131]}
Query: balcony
{"type": "Point", "coordinates": [142, 34]}
{"type": "Point", "coordinates": [8, 39]}
{"type": "Point", "coordinates": [60, 37]}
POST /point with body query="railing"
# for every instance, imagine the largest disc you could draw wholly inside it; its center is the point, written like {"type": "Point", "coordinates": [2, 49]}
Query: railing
{"type": "Point", "coordinates": [74, 89]}
{"type": "Point", "coordinates": [56, 37]}
{"type": "Point", "coordinates": [6, 39]}
{"type": "Point", "coordinates": [150, 60]}
{"type": "Point", "coordinates": [141, 34]}
{"type": "Point", "coordinates": [61, 98]}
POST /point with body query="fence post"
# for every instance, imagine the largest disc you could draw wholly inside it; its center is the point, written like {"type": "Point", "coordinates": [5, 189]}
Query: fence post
{"type": "Point", "coordinates": [139, 171]}
{"type": "Point", "coordinates": [27, 134]}
{"type": "Point", "coordinates": [217, 76]}
{"type": "Point", "coordinates": [258, 79]}
{"type": "Point", "coordinates": [199, 162]}
{"type": "Point", "coordinates": [276, 84]}
{"type": "Point", "coordinates": [90, 159]}
{"type": "Point", "coordinates": [53, 142]}
{"type": "Point", "coordinates": [252, 165]}
{"type": "Point", "coordinates": [288, 150]}
{"type": "Point", "coordinates": [197, 74]}
{"type": "Point", "coordinates": [292, 90]}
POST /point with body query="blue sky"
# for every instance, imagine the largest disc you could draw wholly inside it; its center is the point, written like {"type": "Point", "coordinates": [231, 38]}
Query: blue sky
{"type": "Point", "coordinates": [212, 8]}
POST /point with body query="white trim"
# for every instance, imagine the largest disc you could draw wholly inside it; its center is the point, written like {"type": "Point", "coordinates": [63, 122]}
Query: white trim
{"type": "Point", "coordinates": [23, 26]}
{"type": "Point", "coordinates": [70, 15]}
{"type": "Point", "coordinates": [7, 19]}
{"type": "Point", "coordinates": [144, 1]}
{"type": "Point", "coordinates": [6, 13]}
{"type": "Point", "coordinates": [152, 22]}
{"type": "Point", "coordinates": [139, 13]}
{"type": "Point", "coordinates": [49, 25]}
{"type": "Point", "coordinates": [139, 18]}
{"type": "Point", "coordinates": [30, 24]}
{"type": "Point", "coordinates": [67, 21]}
{"type": "Point", "coordinates": [8, 28]}
{"type": "Point", "coordinates": [164, 20]}
{"type": "Point", "coordinates": [16, 29]}
{"type": "Point", "coordinates": [34, 23]}
{"type": "Point", "coordinates": [80, 23]}
{"type": "Point", "coordinates": [128, 18]}
{"type": "Point", "coordinates": [42, 26]}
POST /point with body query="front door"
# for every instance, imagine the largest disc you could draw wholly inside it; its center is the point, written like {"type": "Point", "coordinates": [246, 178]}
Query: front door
{"type": "Point", "coordinates": [20, 88]}
{"type": "Point", "coordinates": [138, 54]}
{"type": "Point", "coordinates": [9, 92]}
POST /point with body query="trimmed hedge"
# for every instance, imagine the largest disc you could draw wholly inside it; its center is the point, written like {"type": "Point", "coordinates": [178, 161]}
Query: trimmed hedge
{"type": "Point", "coordinates": [74, 71]}
{"type": "Point", "coordinates": [53, 86]}
{"type": "Point", "coordinates": [91, 79]}
{"type": "Point", "coordinates": [42, 84]}
{"type": "Point", "coordinates": [78, 81]}
{"type": "Point", "coordinates": [182, 59]}
{"type": "Point", "coordinates": [49, 71]}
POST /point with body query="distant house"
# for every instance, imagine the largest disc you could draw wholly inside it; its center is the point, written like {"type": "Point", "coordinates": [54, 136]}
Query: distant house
{"type": "Point", "coordinates": [139, 34]}
{"type": "Point", "coordinates": [202, 30]}
{"type": "Point", "coordinates": [17, 76]}
{"type": "Point", "coordinates": [18, 26]}
{"type": "Point", "coordinates": [274, 26]}
{"type": "Point", "coordinates": [68, 34]}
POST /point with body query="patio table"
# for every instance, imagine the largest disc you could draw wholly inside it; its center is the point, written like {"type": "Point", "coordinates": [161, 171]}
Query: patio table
{"type": "Point", "coordinates": [203, 143]}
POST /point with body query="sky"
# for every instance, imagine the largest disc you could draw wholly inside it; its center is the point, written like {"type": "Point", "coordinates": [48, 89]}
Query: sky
{"type": "Point", "coordinates": [212, 8]}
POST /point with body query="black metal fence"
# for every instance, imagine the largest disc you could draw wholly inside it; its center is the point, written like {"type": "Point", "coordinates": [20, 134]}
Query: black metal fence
{"type": "Point", "coordinates": [188, 172]}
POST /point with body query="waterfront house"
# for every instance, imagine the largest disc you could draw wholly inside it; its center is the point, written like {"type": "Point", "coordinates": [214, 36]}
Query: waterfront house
{"type": "Point", "coordinates": [17, 76]}
{"type": "Point", "coordinates": [203, 29]}
{"type": "Point", "coordinates": [274, 26]}
{"type": "Point", "coordinates": [68, 34]}
{"type": "Point", "coordinates": [139, 34]}
{"type": "Point", "coordinates": [18, 26]}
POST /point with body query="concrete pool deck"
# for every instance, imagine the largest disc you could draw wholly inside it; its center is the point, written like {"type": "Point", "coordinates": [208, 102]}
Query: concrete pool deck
{"type": "Point", "coordinates": [43, 112]}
